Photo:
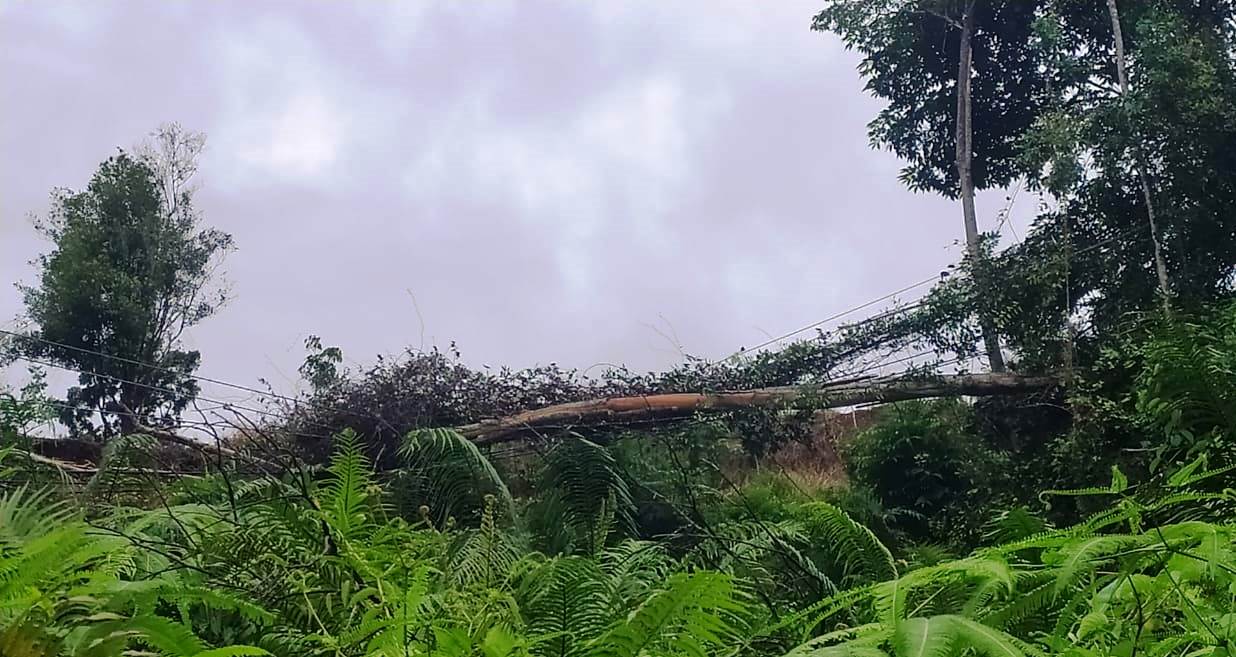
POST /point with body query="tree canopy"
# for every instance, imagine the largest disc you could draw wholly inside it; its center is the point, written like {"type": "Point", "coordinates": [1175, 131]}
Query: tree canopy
{"type": "Point", "coordinates": [130, 270]}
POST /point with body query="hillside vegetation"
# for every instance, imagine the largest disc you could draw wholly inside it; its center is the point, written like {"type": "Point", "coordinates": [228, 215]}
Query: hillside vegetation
{"type": "Point", "coordinates": [419, 506]}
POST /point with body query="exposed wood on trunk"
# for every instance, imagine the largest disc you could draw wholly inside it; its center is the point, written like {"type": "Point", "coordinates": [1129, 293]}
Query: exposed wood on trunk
{"type": "Point", "coordinates": [965, 177]}
{"type": "Point", "coordinates": [1139, 162]}
{"type": "Point", "coordinates": [56, 463]}
{"type": "Point", "coordinates": [623, 410]}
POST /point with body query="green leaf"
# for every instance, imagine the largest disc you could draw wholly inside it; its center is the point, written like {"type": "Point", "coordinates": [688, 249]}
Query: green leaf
{"type": "Point", "coordinates": [233, 651]}
{"type": "Point", "coordinates": [926, 637]}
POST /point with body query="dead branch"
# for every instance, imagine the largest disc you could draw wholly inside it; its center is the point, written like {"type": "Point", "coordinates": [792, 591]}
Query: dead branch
{"type": "Point", "coordinates": [64, 466]}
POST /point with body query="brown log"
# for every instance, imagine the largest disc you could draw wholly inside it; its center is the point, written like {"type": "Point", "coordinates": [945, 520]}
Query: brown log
{"type": "Point", "coordinates": [622, 410]}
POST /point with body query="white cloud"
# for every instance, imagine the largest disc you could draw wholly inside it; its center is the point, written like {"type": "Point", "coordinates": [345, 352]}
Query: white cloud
{"type": "Point", "coordinates": [610, 162]}
{"type": "Point", "coordinates": [280, 115]}
{"type": "Point", "coordinates": [642, 127]}
{"type": "Point", "coordinates": [299, 141]}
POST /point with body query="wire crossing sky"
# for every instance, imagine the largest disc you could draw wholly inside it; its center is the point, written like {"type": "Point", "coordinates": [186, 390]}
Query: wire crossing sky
{"type": "Point", "coordinates": [536, 181]}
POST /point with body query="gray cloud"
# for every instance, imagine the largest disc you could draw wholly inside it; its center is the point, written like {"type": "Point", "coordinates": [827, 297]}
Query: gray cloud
{"type": "Point", "coordinates": [552, 181]}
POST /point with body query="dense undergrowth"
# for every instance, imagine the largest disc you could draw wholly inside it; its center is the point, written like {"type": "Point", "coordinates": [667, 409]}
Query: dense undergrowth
{"type": "Point", "coordinates": [324, 563]}
{"type": "Point", "coordinates": [647, 546]}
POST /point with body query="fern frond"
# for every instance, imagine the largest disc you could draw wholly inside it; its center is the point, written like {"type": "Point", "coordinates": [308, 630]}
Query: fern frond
{"type": "Point", "coordinates": [857, 549]}
{"type": "Point", "coordinates": [858, 641]}
{"type": "Point", "coordinates": [169, 637]}
{"type": "Point", "coordinates": [985, 640]}
{"type": "Point", "coordinates": [634, 568]}
{"type": "Point", "coordinates": [27, 513]}
{"type": "Point", "coordinates": [1085, 555]}
{"type": "Point", "coordinates": [451, 472]}
{"type": "Point", "coordinates": [233, 651]}
{"type": "Point", "coordinates": [483, 556]}
{"type": "Point", "coordinates": [1014, 524]}
{"type": "Point", "coordinates": [345, 491]}
{"type": "Point", "coordinates": [590, 484]}
{"type": "Point", "coordinates": [845, 650]}
{"type": "Point", "coordinates": [926, 637]}
{"type": "Point", "coordinates": [693, 613]}
{"type": "Point", "coordinates": [565, 602]}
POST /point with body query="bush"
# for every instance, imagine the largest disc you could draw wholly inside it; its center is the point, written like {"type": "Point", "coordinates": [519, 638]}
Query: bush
{"type": "Point", "coordinates": [924, 463]}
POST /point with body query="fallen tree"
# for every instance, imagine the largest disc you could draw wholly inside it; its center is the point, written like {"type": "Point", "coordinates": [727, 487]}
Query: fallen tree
{"type": "Point", "coordinates": [631, 410]}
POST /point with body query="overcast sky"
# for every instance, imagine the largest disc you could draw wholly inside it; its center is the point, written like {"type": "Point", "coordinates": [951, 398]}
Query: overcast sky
{"type": "Point", "coordinates": [570, 182]}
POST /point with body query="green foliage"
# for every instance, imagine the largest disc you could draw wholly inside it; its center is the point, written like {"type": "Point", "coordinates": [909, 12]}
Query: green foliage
{"type": "Point", "coordinates": [585, 497]}
{"type": "Point", "coordinates": [314, 566]}
{"type": "Point", "coordinates": [346, 494]}
{"type": "Point", "coordinates": [321, 366]}
{"type": "Point", "coordinates": [1186, 389]}
{"type": "Point", "coordinates": [922, 458]}
{"type": "Point", "coordinates": [130, 270]}
{"type": "Point", "coordinates": [1119, 583]}
{"type": "Point", "coordinates": [909, 51]}
{"type": "Point", "coordinates": [448, 474]}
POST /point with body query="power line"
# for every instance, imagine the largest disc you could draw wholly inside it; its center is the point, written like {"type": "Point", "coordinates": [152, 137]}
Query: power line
{"type": "Point", "coordinates": [223, 404]}
{"type": "Point", "coordinates": [195, 377]}
{"type": "Point", "coordinates": [832, 317]}
{"type": "Point", "coordinates": [148, 386]}
{"type": "Point", "coordinates": [912, 286]}
{"type": "Point", "coordinates": [152, 366]}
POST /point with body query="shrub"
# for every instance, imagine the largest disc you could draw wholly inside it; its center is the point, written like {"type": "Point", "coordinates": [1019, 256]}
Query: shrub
{"type": "Point", "coordinates": [924, 463]}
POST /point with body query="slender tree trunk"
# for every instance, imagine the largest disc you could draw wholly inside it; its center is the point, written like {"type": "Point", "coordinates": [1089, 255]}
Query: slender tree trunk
{"type": "Point", "coordinates": [965, 176]}
{"type": "Point", "coordinates": [1122, 76]}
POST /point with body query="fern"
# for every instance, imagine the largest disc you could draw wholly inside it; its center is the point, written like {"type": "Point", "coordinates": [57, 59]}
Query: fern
{"type": "Point", "coordinates": [926, 637]}
{"type": "Point", "coordinates": [26, 513]}
{"type": "Point", "coordinates": [483, 556]}
{"type": "Point", "coordinates": [449, 474]}
{"type": "Point", "coordinates": [634, 568]}
{"type": "Point", "coordinates": [1083, 556]}
{"type": "Point", "coordinates": [345, 493]}
{"type": "Point", "coordinates": [692, 613]}
{"type": "Point", "coordinates": [591, 486]}
{"type": "Point", "coordinates": [855, 547]}
{"type": "Point", "coordinates": [565, 603]}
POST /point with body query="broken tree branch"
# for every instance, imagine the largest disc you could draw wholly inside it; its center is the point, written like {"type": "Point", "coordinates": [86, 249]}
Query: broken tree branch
{"type": "Point", "coordinates": [619, 410]}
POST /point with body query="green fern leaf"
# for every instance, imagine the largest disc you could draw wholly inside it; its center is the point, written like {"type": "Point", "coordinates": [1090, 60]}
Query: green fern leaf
{"type": "Point", "coordinates": [989, 641]}
{"type": "Point", "coordinates": [451, 472]}
{"type": "Point", "coordinates": [1086, 555]}
{"type": "Point", "coordinates": [856, 547]}
{"type": "Point", "coordinates": [566, 601]}
{"type": "Point", "coordinates": [345, 492]}
{"type": "Point", "coordinates": [926, 637]}
{"type": "Point", "coordinates": [233, 651]}
{"type": "Point", "coordinates": [839, 651]}
{"type": "Point", "coordinates": [695, 611]}
{"type": "Point", "coordinates": [590, 484]}
{"type": "Point", "coordinates": [167, 636]}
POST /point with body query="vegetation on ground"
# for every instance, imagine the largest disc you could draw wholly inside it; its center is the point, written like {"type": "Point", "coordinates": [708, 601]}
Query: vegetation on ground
{"type": "Point", "coordinates": [1093, 519]}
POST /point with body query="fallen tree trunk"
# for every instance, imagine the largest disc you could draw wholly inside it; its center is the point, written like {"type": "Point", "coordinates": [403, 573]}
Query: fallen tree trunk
{"type": "Point", "coordinates": [628, 410]}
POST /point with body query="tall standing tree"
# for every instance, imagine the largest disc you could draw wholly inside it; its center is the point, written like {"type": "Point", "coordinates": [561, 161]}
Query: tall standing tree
{"type": "Point", "coordinates": [1143, 180]}
{"type": "Point", "coordinates": [1137, 153]}
{"type": "Point", "coordinates": [131, 269]}
{"type": "Point", "coordinates": [963, 84]}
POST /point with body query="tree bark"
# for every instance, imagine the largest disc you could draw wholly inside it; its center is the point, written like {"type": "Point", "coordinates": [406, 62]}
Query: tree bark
{"type": "Point", "coordinates": [1122, 77]}
{"type": "Point", "coordinates": [965, 177]}
{"type": "Point", "coordinates": [630, 410]}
